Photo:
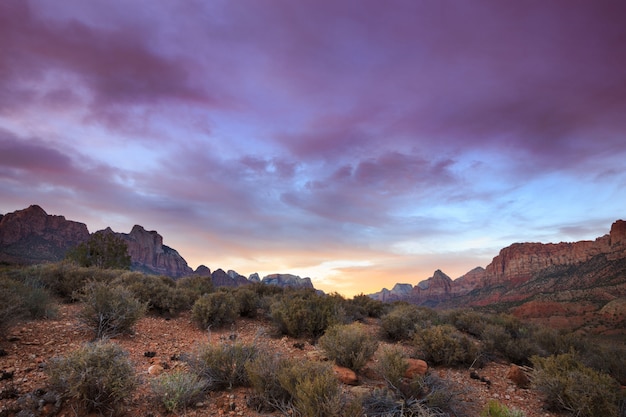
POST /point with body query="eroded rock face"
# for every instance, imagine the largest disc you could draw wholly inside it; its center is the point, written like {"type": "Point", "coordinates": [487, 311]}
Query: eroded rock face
{"type": "Point", "coordinates": [287, 280]}
{"type": "Point", "coordinates": [228, 279]}
{"type": "Point", "coordinates": [149, 254]}
{"type": "Point", "coordinates": [32, 236]}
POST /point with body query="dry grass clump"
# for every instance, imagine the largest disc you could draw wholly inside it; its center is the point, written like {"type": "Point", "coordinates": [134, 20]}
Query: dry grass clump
{"type": "Point", "coordinates": [109, 310]}
{"type": "Point", "coordinates": [349, 345]}
{"type": "Point", "coordinates": [568, 385]}
{"type": "Point", "coordinates": [98, 376]}
{"type": "Point", "coordinates": [222, 366]}
{"type": "Point", "coordinates": [178, 389]}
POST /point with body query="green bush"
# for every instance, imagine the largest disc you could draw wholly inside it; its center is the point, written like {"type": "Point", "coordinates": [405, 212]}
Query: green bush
{"type": "Point", "coordinates": [222, 366]}
{"type": "Point", "coordinates": [65, 279]}
{"type": "Point", "coordinates": [159, 293]}
{"type": "Point", "coordinates": [178, 389]}
{"type": "Point", "coordinates": [392, 365]}
{"type": "Point", "coordinates": [104, 250]}
{"type": "Point", "coordinates": [109, 311]}
{"type": "Point", "coordinates": [247, 300]}
{"type": "Point", "coordinates": [11, 309]}
{"type": "Point", "coordinates": [495, 409]}
{"type": "Point", "coordinates": [400, 323]}
{"type": "Point", "coordinates": [349, 345]}
{"type": "Point", "coordinates": [566, 384]}
{"type": "Point", "coordinates": [444, 345]}
{"type": "Point", "coordinates": [268, 393]}
{"type": "Point", "coordinates": [193, 287]}
{"type": "Point", "coordinates": [468, 321]}
{"type": "Point", "coordinates": [99, 376]}
{"type": "Point", "coordinates": [313, 388]}
{"type": "Point", "coordinates": [215, 309]}
{"type": "Point", "coordinates": [305, 313]}
{"type": "Point", "coordinates": [295, 387]}
{"type": "Point", "coordinates": [366, 306]}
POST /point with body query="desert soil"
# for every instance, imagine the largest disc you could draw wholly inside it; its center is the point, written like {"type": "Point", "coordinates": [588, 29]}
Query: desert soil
{"type": "Point", "coordinates": [30, 345]}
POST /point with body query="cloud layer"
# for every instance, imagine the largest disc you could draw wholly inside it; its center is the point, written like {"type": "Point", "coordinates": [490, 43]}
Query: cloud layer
{"type": "Point", "coordinates": [362, 143]}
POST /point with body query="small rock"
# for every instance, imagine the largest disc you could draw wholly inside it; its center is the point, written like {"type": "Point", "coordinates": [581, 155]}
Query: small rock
{"type": "Point", "coordinates": [155, 370]}
{"type": "Point", "coordinates": [417, 367]}
{"type": "Point", "coordinates": [345, 375]}
{"type": "Point", "coordinates": [518, 376]}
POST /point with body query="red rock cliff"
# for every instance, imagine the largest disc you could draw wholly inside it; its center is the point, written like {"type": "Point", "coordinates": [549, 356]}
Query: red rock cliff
{"type": "Point", "coordinates": [31, 235]}
{"type": "Point", "coordinates": [148, 254]}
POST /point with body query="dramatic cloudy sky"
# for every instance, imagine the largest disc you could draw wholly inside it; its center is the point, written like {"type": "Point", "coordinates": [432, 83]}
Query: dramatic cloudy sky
{"type": "Point", "coordinates": [360, 143]}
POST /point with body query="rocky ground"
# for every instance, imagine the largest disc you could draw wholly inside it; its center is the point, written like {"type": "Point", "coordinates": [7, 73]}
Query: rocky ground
{"type": "Point", "coordinates": [30, 345]}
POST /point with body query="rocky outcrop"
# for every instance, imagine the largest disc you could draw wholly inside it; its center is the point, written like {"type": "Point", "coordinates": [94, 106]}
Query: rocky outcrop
{"type": "Point", "coordinates": [33, 236]}
{"type": "Point", "coordinates": [227, 279]}
{"type": "Point", "coordinates": [432, 290]}
{"type": "Point", "coordinates": [203, 271]}
{"type": "Point", "coordinates": [560, 284]}
{"type": "Point", "coordinates": [148, 254]}
{"type": "Point", "coordinates": [287, 280]}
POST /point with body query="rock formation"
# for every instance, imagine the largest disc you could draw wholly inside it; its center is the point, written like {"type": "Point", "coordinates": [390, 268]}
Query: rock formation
{"type": "Point", "coordinates": [287, 280]}
{"type": "Point", "coordinates": [562, 284]}
{"type": "Point", "coordinates": [227, 279]}
{"type": "Point", "coordinates": [33, 236]}
{"type": "Point", "coordinates": [149, 254]}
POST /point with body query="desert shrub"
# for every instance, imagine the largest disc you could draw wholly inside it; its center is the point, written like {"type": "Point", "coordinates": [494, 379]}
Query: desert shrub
{"type": "Point", "coordinates": [304, 313]}
{"type": "Point", "coordinates": [178, 389]}
{"type": "Point", "coordinates": [11, 309]}
{"type": "Point", "coordinates": [366, 306]}
{"type": "Point", "coordinates": [313, 388]}
{"type": "Point", "coordinates": [109, 310]}
{"type": "Point", "coordinates": [607, 358]}
{"type": "Point", "coordinates": [193, 287]}
{"type": "Point", "coordinates": [268, 393]}
{"type": "Point", "coordinates": [215, 309]}
{"type": "Point", "coordinates": [382, 402]}
{"type": "Point", "coordinates": [495, 339]}
{"type": "Point", "coordinates": [444, 345]}
{"type": "Point", "coordinates": [392, 365]}
{"type": "Point", "coordinates": [65, 279]}
{"type": "Point", "coordinates": [247, 300]}
{"type": "Point", "coordinates": [302, 388]}
{"type": "Point", "coordinates": [349, 345]}
{"type": "Point", "coordinates": [159, 293]}
{"type": "Point", "coordinates": [223, 365]}
{"type": "Point", "coordinates": [496, 409]}
{"type": "Point", "coordinates": [400, 323]}
{"type": "Point", "coordinates": [38, 302]}
{"type": "Point", "coordinates": [566, 384]}
{"type": "Point", "coordinates": [104, 250]}
{"type": "Point", "coordinates": [99, 376]}
{"type": "Point", "coordinates": [468, 321]}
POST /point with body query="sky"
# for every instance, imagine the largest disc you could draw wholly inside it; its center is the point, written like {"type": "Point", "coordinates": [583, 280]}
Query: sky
{"type": "Point", "coordinates": [360, 143]}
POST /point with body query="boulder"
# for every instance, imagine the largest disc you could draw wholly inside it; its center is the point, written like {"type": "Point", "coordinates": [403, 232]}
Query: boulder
{"type": "Point", "coordinates": [518, 376]}
{"type": "Point", "coordinates": [417, 367]}
{"type": "Point", "coordinates": [345, 376]}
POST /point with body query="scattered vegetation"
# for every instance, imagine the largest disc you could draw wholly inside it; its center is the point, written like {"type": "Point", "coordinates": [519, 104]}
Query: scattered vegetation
{"type": "Point", "coordinates": [178, 389]}
{"type": "Point", "coordinates": [222, 366]}
{"type": "Point", "coordinates": [215, 310]}
{"type": "Point", "coordinates": [103, 250]}
{"type": "Point", "coordinates": [399, 323]}
{"type": "Point", "coordinates": [574, 374]}
{"type": "Point", "coordinates": [159, 293]}
{"type": "Point", "coordinates": [348, 345]}
{"type": "Point", "coordinates": [496, 409]}
{"type": "Point", "coordinates": [300, 313]}
{"type": "Point", "coordinates": [98, 376]}
{"type": "Point", "coordinates": [444, 345]}
{"type": "Point", "coordinates": [568, 385]}
{"type": "Point", "coordinates": [109, 310]}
